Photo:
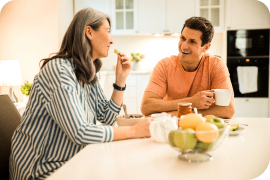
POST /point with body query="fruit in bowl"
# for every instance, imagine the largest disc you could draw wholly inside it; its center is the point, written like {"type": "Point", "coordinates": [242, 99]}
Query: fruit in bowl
{"type": "Point", "coordinates": [130, 121]}
{"type": "Point", "coordinates": [197, 136]}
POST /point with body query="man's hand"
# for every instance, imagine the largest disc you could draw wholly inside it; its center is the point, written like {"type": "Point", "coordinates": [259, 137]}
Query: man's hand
{"type": "Point", "coordinates": [203, 99]}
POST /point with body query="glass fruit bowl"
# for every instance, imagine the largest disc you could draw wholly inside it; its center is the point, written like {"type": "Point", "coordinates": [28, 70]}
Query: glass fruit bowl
{"type": "Point", "coordinates": [193, 146]}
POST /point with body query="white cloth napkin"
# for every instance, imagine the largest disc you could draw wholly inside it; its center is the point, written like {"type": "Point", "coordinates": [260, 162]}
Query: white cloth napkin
{"type": "Point", "coordinates": [247, 78]}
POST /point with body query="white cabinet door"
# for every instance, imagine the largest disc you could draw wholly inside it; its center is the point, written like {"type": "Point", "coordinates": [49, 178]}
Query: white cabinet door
{"type": "Point", "coordinates": [251, 107]}
{"type": "Point", "coordinates": [124, 15]}
{"type": "Point", "coordinates": [152, 16]}
{"type": "Point", "coordinates": [100, 5]}
{"type": "Point", "coordinates": [177, 12]}
{"type": "Point", "coordinates": [142, 83]}
{"type": "Point", "coordinates": [213, 10]}
{"type": "Point", "coordinates": [136, 84]}
{"type": "Point", "coordinates": [247, 14]}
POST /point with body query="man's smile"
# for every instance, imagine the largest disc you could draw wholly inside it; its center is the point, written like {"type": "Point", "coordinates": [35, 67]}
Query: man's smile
{"type": "Point", "coordinates": [184, 52]}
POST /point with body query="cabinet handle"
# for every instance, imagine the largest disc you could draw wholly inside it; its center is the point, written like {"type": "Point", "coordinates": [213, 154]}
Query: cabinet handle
{"type": "Point", "coordinates": [166, 30]}
{"type": "Point", "coordinates": [247, 100]}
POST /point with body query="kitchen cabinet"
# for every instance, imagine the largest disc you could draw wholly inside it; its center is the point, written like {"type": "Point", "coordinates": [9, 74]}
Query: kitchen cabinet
{"type": "Point", "coordinates": [135, 85]}
{"type": "Point", "coordinates": [152, 16]}
{"type": "Point", "coordinates": [213, 10]}
{"type": "Point", "coordinates": [124, 15]}
{"type": "Point", "coordinates": [178, 11]}
{"type": "Point", "coordinates": [164, 16]}
{"type": "Point", "coordinates": [100, 5]}
{"type": "Point", "coordinates": [251, 107]}
{"type": "Point", "coordinates": [247, 14]}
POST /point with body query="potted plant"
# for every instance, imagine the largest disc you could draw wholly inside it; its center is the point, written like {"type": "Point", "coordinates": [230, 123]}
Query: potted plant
{"type": "Point", "coordinates": [25, 89]}
{"type": "Point", "coordinates": [135, 58]}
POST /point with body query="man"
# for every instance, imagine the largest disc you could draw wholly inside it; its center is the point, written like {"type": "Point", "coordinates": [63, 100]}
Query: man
{"type": "Point", "coordinates": [189, 77]}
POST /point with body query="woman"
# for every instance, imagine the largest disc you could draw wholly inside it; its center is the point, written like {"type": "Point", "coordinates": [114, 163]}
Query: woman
{"type": "Point", "coordinates": [66, 101]}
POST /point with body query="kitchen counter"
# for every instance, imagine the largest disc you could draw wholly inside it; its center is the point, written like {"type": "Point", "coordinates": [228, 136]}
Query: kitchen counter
{"type": "Point", "coordinates": [242, 157]}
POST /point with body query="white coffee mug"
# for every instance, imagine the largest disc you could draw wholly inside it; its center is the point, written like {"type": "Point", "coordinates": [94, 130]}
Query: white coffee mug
{"type": "Point", "coordinates": [222, 97]}
{"type": "Point", "coordinates": [157, 132]}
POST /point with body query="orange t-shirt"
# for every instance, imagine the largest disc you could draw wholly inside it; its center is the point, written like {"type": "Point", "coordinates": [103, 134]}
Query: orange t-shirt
{"type": "Point", "coordinates": [170, 81]}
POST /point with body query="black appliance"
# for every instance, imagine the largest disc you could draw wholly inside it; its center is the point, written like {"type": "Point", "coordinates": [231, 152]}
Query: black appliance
{"type": "Point", "coordinates": [249, 48]}
{"type": "Point", "coordinates": [263, 75]}
{"type": "Point", "coordinates": [245, 43]}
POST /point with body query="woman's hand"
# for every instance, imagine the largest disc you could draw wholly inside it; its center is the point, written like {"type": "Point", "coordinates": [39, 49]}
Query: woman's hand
{"type": "Point", "coordinates": [141, 129]}
{"type": "Point", "coordinates": [123, 68]}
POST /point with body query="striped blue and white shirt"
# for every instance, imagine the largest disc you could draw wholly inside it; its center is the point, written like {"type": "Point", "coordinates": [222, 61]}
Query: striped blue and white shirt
{"type": "Point", "coordinates": [59, 121]}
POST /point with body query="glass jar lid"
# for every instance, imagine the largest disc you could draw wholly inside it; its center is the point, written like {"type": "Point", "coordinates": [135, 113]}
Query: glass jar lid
{"type": "Point", "coordinates": [184, 104]}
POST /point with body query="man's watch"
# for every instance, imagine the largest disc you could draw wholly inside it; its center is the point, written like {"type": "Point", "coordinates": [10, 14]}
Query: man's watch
{"type": "Point", "coordinates": [118, 87]}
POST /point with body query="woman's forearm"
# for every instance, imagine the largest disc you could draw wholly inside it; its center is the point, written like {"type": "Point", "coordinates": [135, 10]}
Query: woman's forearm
{"type": "Point", "coordinates": [124, 132]}
{"type": "Point", "coordinates": [139, 130]}
{"type": "Point", "coordinates": [117, 95]}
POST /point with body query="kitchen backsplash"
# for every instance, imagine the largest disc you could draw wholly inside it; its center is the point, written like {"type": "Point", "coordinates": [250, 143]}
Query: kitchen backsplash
{"type": "Point", "coordinates": [154, 49]}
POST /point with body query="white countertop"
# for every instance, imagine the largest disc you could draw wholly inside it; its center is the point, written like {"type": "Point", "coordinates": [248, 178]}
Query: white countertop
{"type": "Point", "coordinates": [242, 157]}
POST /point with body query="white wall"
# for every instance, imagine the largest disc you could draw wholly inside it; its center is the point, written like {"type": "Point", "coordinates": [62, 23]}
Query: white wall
{"type": "Point", "coordinates": [28, 32]}
{"type": "Point", "coordinates": [154, 49]}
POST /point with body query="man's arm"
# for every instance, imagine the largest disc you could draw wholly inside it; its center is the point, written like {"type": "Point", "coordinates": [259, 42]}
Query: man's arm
{"type": "Point", "coordinates": [203, 101]}
{"type": "Point", "coordinates": [153, 103]}
{"type": "Point", "coordinates": [220, 111]}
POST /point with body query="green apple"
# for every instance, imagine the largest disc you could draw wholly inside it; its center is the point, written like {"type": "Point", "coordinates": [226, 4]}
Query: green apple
{"type": "Point", "coordinates": [185, 138]}
{"type": "Point", "coordinates": [203, 147]}
{"type": "Point", "coordinates": [216, 121]}
{"type": "Point", "coordinates": [171, 139]}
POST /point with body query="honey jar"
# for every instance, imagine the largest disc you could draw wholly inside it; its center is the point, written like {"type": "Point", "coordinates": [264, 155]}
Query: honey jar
{"type": "Point", "coordinates": [184, 108]}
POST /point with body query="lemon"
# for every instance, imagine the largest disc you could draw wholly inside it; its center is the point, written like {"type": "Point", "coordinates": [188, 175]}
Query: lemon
{"type": "Point", "coordinates": [190, 121]}
{"type": "Point", "coordinates": [234, 127]}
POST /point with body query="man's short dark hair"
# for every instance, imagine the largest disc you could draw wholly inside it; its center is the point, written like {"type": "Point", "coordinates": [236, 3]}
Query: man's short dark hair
{"type": "Point", "coordinates": [203, 25]}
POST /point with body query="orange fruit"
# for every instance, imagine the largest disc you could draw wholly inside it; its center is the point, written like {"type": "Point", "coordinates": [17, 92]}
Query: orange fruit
{"type": "Point", "coordinates": [206, 132]}
{"type": "Point", "coordinates": [190, 121]}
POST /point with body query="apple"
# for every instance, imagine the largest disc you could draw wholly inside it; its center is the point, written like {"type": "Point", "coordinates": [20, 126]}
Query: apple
{"type": "Point", "coordinates": [171, 138]}
{"type": "Point", "coordinates": [203, 147]}
{"type": "Point", "coordinates": [234, 127]}
{"type": "Point", "coordinates": [185, 138]}
{"type": "Point", "coordinates": [218, 122]}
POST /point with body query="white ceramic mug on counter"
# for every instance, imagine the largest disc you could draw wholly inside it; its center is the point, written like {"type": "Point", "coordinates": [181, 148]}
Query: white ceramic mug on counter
{"type": "Point", "coordinates": [222, 97]}
{"type": "Point", "coordinates": [157, 132]}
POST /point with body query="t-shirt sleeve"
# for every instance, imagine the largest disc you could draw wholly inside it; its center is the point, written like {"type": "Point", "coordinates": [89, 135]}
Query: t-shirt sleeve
{"type": "Point", "coordinates": [158, 80]}
{"type": "Point", "coordinates": [220, 78]}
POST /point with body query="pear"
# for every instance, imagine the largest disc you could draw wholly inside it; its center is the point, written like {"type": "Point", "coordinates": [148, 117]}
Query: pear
{"type": "Point", "coordinates": [234, 127]}
{"type": "Point", "coordinates": [116, 51]}
{"type": "Point", "coordinates": [171, 139]}
{"type": "Point", "coordinates": [185, 138]}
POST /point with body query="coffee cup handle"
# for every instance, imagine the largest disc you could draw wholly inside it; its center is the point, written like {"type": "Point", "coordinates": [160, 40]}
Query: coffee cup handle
{"type": "Point", "coordinates": [152, 127]}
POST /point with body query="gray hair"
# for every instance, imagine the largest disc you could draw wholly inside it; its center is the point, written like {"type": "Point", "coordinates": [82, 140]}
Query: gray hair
{"type": "Point", "coordinates": [75, 44]}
